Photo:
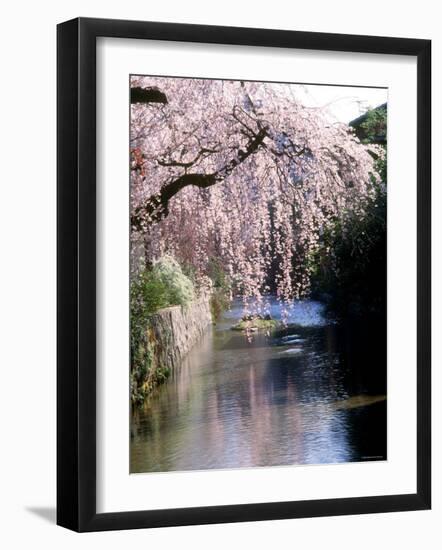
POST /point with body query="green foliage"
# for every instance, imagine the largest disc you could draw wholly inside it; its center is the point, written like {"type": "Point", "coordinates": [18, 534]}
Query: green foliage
{"type": "Point", "coordinates": [375, 129]}
{"type": "Point", "coordinates": [149, 293]}
{"type": "Point", "coordinates": [218, 275]}
{"type": "Point", "coordinates": [220, 298]}
{"type": "Point", "coordinates": [374, 125]}
{"type": "Point", "coordinates": [349, 266]}
{"type": "Point", "coordinates": [255, 324]}
{"type": "Point", "coordinates": [381, 165]}
{"type": "Point", "coordinates": [190, 272]}
{"type": "Point", "coordinates": [142, 366]}
{"type": "Point", "coordinates": [180, 289]}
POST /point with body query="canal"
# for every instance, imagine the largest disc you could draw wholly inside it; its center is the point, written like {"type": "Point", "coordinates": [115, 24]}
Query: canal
{"type": "Point", "coordinates": [311, 393]}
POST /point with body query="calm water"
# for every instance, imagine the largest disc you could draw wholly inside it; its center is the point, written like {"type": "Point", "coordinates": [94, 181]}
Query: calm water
{"type": "Point", "coordinates": [312, 393]}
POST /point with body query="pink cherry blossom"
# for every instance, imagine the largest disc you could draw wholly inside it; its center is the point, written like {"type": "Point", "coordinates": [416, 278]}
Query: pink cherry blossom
{"type": "Point", "coordinates": [243, 172]}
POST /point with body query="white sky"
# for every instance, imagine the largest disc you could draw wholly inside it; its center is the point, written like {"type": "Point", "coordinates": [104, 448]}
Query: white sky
{"type": "Point", "coordinates": [344, 103]}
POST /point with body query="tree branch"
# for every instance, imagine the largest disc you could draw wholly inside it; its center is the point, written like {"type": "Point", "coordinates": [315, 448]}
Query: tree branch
{"type": "Point", "coordinates": [156, 207]}
{"type": "Point", "coordinates": [190, 163]}
{"type": "Point", "coordinates": [147, 95]}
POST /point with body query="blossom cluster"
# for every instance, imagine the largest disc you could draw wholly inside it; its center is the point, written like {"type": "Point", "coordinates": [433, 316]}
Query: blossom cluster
{"type": "Point", "coordinates": [241, 172]}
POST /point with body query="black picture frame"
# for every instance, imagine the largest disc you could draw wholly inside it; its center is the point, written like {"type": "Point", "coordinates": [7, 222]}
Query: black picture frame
{"type": "Point", "coordinates": [77, 287]}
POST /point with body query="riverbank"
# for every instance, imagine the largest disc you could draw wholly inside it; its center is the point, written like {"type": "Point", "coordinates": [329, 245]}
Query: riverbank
{"type": "Point", "coordinates": [170, 334]}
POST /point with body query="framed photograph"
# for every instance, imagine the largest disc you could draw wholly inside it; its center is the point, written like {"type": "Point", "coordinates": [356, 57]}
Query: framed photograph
{"type": "Point", "coordinates": [243, 274]}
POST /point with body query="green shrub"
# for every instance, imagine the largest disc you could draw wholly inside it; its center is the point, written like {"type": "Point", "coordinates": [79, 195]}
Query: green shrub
{"type": "Point", "coordinates": [179, 288]}
{"type": "Point", "coordinates": [149, 293]}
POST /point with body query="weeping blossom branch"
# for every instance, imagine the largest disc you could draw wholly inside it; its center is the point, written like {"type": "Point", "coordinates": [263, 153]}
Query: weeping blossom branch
{"type": "Point", "coordinates": [244, 173]}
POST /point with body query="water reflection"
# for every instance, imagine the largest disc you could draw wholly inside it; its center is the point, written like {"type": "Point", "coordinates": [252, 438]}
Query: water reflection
{"type": "Point", "coordinates": [304, 395]}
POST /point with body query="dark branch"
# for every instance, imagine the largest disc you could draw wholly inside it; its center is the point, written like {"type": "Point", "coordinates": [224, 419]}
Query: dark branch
{"type": "Point", "coordinates": [157, 206]}
{"type": "Point", "coordinates": [147, 95]}
{"type": "Point", "coordinates": [243, 154]}
{"type": "Point", "coordinates": [203, 151]}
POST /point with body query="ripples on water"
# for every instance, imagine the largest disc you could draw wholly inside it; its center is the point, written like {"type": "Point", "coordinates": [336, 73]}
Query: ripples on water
{"type": "Point", "coordinates": [308, 394]}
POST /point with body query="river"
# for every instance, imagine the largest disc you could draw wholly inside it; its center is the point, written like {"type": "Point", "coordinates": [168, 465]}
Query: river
{"type": "Point", "coordinates": [312, 393]}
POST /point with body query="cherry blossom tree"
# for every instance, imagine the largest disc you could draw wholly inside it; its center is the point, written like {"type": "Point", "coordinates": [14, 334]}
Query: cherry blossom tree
{"type": "Point", "coordinates": [240, 171]}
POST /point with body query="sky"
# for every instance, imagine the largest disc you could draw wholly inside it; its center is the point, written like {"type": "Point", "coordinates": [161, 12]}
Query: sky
{"type": "Point", "coordinates": [344, 103]}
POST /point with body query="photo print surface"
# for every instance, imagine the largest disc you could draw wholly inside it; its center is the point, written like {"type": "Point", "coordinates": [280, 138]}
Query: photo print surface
{"type": "Point", "coordinates": [258, 274]}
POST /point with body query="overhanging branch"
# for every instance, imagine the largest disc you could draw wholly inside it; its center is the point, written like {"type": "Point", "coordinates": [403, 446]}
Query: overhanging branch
{"type": "Point", "coordinates": [156, 207]}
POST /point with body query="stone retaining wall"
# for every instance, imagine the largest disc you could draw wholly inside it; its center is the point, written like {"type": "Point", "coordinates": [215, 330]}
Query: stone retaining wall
{"type": "Point", "coordinates": [174, 330]}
